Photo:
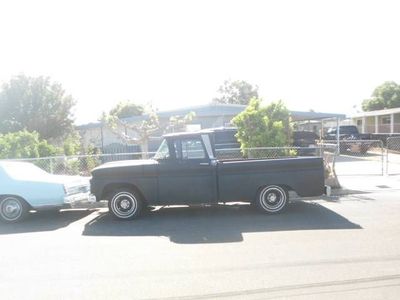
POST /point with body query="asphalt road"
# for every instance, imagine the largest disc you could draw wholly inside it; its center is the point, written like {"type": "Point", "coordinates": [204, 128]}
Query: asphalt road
{"type": "Point", "coordinates": [342, 248]}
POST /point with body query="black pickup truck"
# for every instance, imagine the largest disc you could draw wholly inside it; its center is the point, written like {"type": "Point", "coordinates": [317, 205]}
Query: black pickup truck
{"type": "Point", "coordinates": [350, 139]}
{"type": "Point", "coordinates": [185, 172]}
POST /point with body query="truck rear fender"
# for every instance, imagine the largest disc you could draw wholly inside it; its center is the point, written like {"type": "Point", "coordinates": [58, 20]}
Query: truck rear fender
{"type": "Point", "coordinates": [286, 187]}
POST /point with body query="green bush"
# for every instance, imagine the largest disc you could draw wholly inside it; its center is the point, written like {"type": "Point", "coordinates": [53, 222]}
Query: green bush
{"type": "Point", "coordinates": [263, 126]}
{"type": "Point", "coordinates": [24, 144]}
{"type": "Point", "coordinates": [71, 144]}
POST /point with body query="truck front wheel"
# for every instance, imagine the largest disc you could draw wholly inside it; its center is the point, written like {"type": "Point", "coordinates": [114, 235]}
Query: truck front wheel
{"type": "Point", "coordinates": [125, 204]}
{"type": "Point", "coordinates": [272, 199]}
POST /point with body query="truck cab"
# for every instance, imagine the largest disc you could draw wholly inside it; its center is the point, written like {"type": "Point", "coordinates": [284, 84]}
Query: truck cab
{"type": "Point", "coordinates": [186, 169]}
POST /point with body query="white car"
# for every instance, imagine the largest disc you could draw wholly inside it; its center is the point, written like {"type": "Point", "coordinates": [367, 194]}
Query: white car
{"type": "Point", "coordinates": [25, 187]}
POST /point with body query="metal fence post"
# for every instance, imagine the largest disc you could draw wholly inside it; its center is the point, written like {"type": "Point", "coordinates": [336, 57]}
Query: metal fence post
{"type": "Point", "coordinates": [382, 157]}
{"type": "Point", "coordinates": [387, 155]}
{"type": "Point", "coordinates": [392, 155]}
{"type": "Point", "coordinates": [338, 135]}
{"type": "Point", "coordinates": [51, 168]}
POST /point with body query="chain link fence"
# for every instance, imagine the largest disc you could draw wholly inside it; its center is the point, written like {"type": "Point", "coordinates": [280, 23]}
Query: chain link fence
{"type": "Point", "coordinates": [80, 164]}
{"type": "Point", "coordinates": [327, 151]}
{"type": "Point", "coordinates": [83, 164]}
{"type": "Point", "coordinates": [354, 159]}
{"type": "Point", "coordinates": [267, 152]}
{"type": "Point", "coordinates": [360, 157]}
{"type": "Point", "coordinates": [393, 156]}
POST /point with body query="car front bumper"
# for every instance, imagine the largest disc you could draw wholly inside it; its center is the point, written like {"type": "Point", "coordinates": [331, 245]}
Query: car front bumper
{"type": "Point", "coordinates": [79, 198]}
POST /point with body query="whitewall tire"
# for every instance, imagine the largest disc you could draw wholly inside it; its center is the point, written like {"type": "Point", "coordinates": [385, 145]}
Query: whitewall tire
{"type": "Point", "coordinates": [13, 209]}
{"type": "Point", "coordinates": [125, 204]}
{"type": "Point", "coordinates": [272, 199]}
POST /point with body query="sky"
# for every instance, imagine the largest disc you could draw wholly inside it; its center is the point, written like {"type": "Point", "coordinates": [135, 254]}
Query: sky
{"type": "Point", "coordinates": [322, 55]}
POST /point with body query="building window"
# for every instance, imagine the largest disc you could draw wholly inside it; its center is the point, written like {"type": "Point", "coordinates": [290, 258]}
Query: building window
{"type": "Point", "coordinates": [359, 122]}
{"type": "Point", "coordinates": [385, 120]}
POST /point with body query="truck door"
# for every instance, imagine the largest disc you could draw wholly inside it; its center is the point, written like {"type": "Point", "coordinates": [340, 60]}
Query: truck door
{"type": "Point", "coordinates": [190, 177]}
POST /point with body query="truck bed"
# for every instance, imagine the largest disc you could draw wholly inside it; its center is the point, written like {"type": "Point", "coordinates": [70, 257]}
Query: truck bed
{"type": "Point", "coordinates": [241, 179]}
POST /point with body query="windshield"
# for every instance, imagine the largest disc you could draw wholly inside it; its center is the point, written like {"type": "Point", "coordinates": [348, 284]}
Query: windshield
{"type": "Point", "coordinates": [348, 130]}
{"type": "Point", "coordinates": [163, 151]}
{"type": "Point", "coordinates": [344, 130]}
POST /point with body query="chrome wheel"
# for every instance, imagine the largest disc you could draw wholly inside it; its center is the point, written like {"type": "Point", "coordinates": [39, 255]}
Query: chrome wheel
{"type": "Point", "coordinates": [125, 205]}
{"type": "Point", "coordinates": [11, 209]}
{"type": "Point", "coordinates": [272, 199]}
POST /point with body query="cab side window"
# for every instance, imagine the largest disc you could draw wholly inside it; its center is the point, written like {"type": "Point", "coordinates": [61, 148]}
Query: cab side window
{"type": "Point", "coordinates": [191, 149]}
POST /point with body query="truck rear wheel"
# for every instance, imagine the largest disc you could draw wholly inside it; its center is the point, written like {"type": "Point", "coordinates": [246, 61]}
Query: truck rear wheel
{"type": "Point", "coordinates": [272, 199]}
{"type": "Point", "coordinates": [125, 204]}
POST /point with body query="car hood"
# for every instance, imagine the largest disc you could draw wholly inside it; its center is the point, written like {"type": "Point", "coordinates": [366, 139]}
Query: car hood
{"type": "Point", "coordinates": [72, 184]}
{"type": "Point", "coordinates": [68, 180]}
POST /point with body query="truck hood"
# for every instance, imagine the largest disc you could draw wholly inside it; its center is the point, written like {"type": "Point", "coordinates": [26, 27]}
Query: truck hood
{"type": "Point", "coordinates": [126, 163]}
{"type": "Point", "coordinates": [125, 167]}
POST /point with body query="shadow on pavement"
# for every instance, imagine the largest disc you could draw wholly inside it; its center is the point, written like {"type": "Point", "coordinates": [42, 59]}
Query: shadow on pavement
{"type": "Point", "coordinates": [344, 191]}
{"type": "Point", "coordinates": [221, 224]}
{"type": "Point", "coordinates": [44, 221]}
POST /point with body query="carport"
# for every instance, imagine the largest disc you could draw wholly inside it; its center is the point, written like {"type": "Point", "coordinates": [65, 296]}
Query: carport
{"type": "Point", "coordinates": [314, 121]}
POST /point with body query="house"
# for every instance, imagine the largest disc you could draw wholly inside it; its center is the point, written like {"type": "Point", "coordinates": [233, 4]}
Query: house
{"type": "Point", "coordinates": [385, 121]}
{"type": "Point", "coordinates": [206, 116]}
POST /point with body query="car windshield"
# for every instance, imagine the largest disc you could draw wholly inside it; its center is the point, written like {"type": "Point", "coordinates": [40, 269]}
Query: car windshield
{"type": "Point", "coordinates": [163, 151]}
{"type": "Point", "coordinates": [343, 130]}
{"type": "Point", "coordinates": [305, 135]}
{"type": "Point", "coordinates": [19, 170]}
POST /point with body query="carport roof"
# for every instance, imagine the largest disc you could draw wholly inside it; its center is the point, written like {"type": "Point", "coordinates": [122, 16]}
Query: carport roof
{"type": "Point", "coordinates": [312, 115]}
{"type": "Point", "coordinates": [215, 110]}
{"type": "Point", "coordinates": [381, 112]}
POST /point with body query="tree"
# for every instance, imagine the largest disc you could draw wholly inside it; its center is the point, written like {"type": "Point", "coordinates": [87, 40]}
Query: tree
{"type": "Point", "coordinates": [236, 92]}
{"type": "Point", "coordinates": [126, 109]}
{"type": "Point", "coordinates": [263, 126]}
{"type": "Point", "coordinates": [143, 129]}
{"type": "Point", "coordinates": [24, 144]}
{"type": "Point", "coordinates": [178, 123]}
{"type": "Point", "coordinates": [36, 104]}
{"type": "Point", "coordinates": [387, 95]}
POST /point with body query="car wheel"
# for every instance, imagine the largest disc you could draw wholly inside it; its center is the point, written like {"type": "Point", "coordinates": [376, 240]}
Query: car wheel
{"type": "Point", "coordinates": [272, 199]}
{"type": "Point", "coordinates": [13, 209]}
{"type": "Point", "coordinates": [125, 204]}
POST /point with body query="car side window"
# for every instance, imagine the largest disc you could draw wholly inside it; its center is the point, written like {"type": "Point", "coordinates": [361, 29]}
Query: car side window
{"type": "Point", "coordinates": [192, 149]}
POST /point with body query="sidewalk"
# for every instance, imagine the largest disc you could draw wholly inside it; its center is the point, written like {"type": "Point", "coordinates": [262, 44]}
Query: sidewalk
{"type": "Point", "coordinates": [367, 184]}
